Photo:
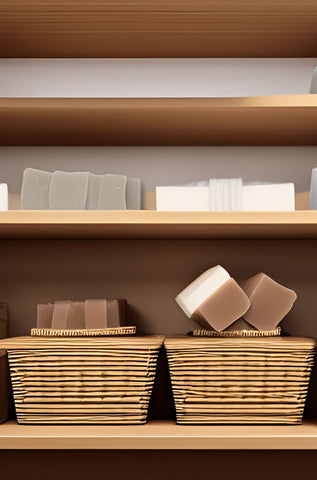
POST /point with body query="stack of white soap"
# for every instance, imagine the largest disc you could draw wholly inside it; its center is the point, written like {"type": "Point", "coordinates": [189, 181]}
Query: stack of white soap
{"type": "Point", "coordinates": [79, 191]}
{"type": "Point", "coordinates": [226, 195]}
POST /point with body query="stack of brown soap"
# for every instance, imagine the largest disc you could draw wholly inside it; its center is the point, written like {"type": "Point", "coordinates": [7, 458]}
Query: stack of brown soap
{"type": "Point", "coordinates": [88, 315]}
{"type": "Point", "coordinates": [240, 381]}
{"type": "Point", "coordinates": [218, 303]}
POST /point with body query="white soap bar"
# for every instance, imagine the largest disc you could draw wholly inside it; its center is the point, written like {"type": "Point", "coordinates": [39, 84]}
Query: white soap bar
{"type": "Point", "coordinates": [112, 195]}
{"type": "Point", "coordinates": [35, 189]}
{"type": "Point", "coordinates": [68, 190]}
{"type": "Point", "coordinates": [269, 198]}
{"type": "Point", "coordinates": [313, 86]}
{"type": "Point", "coordinates": [182, 199]}
{"type": "Point", "coordinates": [3, 197]}
{"type": "Point", "coordinates": [201, 288]}
{"type": "Point", "coordinates": [133, 193]}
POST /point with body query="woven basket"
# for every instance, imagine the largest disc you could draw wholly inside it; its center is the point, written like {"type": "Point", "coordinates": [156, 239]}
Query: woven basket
{"type": "Point", "coordinates": [82, 380]}
{"type": "Point", "coordinates": [240, 380]}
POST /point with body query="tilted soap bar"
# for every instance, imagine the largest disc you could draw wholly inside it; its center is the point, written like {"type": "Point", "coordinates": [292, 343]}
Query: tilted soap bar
{"type": "Point", "coordinates": [270, 301]}
{"type": "Point", "coordinates": [214, 299]}
{"type": "Point", "coordinates": [91, 314]}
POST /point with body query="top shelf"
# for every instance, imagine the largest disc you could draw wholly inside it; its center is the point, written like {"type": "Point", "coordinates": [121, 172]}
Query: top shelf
{"type": "Point", "coordinates": [152, 28]}
{"type": "Point", "coordinates": [157, 225]}
{"type": "Point", "coordinates": [269, 120]}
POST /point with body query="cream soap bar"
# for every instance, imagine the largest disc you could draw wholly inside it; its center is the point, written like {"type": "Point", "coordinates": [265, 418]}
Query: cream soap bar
{"type": "Point", "coordinates": [270, 198]}
{"type": "Point", "coordinates": [270, 301]}
{"type": "Point", "coordinates": [182, 199]}
{"type": "Point", "coordinates": [214, 299]}
{"type": "Point", "coordinates": [3, 197]}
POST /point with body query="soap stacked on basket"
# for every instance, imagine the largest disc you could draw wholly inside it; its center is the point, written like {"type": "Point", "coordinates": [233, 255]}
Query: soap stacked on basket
{"type": "Point", "coordinates": [238, 369]}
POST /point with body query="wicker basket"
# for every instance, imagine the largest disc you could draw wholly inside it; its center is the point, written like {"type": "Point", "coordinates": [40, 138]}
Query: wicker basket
{"type": "Point", "coordinates": [240, 380]}
{"type": "Point", "coordinates": [82, 380]}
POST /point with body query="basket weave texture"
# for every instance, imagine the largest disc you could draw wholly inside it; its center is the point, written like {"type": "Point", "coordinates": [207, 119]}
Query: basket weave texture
{"type": "Point", "coordinates": [82, 380]}
{"type": "Point", "coordinates": [240, 380]}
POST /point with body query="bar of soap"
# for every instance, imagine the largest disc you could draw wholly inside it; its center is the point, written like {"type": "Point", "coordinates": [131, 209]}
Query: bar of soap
{"type": "Point", "coordinates": [60, 314]}
{"type": "Point", "coordinates": [133, 193]}
{"type": "Point", "coordinates": [313, 86]}
{"type": "Point", "coordinates": [4, 197]}
{"type": "Point", "coordinates": [113, 193]}
{"type": "Point", "coordinates": [68, 190]}
{"type": "Point", "coordinates": [270, 197]}
{"type": "Point", "coordinates": [93, 193]}
{"type": "Point", "coordinates": [4, 386]}
{"type": "Point", "coordinates": [270, 301]}
{"type": "Point", "coordinates": [214, 299]}
{"type": "Point", "coordinates": [182, 199]}
{"type": "Point", "coordinates": [76, 316]}
{"type": "Point", "coordinates": [35, 189]}
{"type": "Point", "coordinates": [105, 313]}
{"type": "Point", "coordinates": [44, 315]}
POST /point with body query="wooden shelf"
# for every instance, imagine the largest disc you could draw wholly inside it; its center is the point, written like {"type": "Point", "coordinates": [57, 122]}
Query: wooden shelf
{"type": "Point", "coordinates": [152, 224]}
{"type": "Point", "coordinates": [148, 28]}
{"type": "Point", "coordinates": [271, 120]}
{"type": "Point", "coordinates": [158, 435]}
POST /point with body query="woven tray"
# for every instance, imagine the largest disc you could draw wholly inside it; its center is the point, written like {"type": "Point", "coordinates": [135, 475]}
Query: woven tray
{"type": "Point", "coordinates": [240, 380]}
{"type": "Point", "coordinates": [103, 332]}
{"type": "Point", "coordinates": [97, 380]}
{"type": "Point", "coordinates": [237, 333]}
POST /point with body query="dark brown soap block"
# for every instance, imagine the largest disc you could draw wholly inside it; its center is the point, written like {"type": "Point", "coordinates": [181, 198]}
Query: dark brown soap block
{"type": "Point", "coordinates": [3, 320]}
{"type": "Point", "coordinates": [270, 301]}
{"type": "Point", "coordinates": [4, 386]}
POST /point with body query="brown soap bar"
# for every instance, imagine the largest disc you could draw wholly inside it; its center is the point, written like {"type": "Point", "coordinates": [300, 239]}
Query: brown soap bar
{"type": "Point", "coordinates": [76, 316]}
{"type": "Point", "coordinates": [44, 315]}
{"type": "Point", "coordinates": [60, 314]}
{"type": "Point", "coordinates": [270, 301]}
{"type": "Point", "coordinates": [3, 320]}
{"type": "Point", "coordinates": [4, 386]}
{"type": "Point", "coordinates": [223, 307]}
{"type": "Point", "coordinates": [105, 313]}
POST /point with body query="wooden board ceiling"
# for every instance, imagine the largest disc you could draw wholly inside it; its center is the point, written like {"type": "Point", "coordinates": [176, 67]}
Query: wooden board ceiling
{"type": "Point", "coordinates": [158, 28]}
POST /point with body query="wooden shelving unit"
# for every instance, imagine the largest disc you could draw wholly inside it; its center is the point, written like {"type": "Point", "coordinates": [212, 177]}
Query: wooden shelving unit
{"type": "Point", "coordinates": [148, 28]}
{"type": "Point", "coordinates": [270, 120]}
{"type": "Point", "coordinates": [158, 435]}
{"type": "Point", "coordinates": [157, 225]}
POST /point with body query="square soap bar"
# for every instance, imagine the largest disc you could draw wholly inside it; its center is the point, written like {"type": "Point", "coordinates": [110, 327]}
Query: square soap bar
{"type": "Point", "coordinates": [106, 313]}
{"type": "Point", "coordinates": [270, 301]}
{"type": "Point", "coordinates": [182, 199]}
{"type": "Point", "coordinates": [4, 386]}
{"type": "Point", "coordinates": [214, 299]}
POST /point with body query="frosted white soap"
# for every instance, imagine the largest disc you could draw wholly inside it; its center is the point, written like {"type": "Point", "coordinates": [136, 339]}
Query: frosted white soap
{"type": "Point", "coordinates": [68, 190]}
{"type": "Point", "coordinates": [3, 197]}
{"type": "Point", "coordinates": [270, 198]}
{"type": "Point", "coordinates": [35, 189]}
{"type": "Point", "coordinates": [201, 288]}
{"type": "Point", "coordinates": [182, 199]}
{"type": "Point", "coordinates": [112, 195]}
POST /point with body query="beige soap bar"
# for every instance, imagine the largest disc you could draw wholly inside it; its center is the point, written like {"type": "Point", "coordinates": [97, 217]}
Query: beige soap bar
{"type": "Point", "coordinates": [270, 301]}
{"type": "Point", "coordinates": [222, 307]}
